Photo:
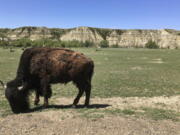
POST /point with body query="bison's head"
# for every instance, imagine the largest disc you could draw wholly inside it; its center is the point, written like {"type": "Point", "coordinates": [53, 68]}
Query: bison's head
{"type": "Point", "coordinates": [17, 97]}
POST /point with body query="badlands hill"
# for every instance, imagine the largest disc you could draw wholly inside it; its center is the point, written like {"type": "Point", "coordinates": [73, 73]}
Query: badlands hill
{"type": "Point", "coordinates": [165, 38]}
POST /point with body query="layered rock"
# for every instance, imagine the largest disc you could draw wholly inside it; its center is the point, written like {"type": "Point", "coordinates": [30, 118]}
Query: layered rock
{"type": "Point", "coordinates": [138, 38]}
{"type": "Point", "coordinates": [165, 38]}
{"type": "Point", "coordinates": [82, 34]}
{"type": "Point", "coordinates": [33, 33]}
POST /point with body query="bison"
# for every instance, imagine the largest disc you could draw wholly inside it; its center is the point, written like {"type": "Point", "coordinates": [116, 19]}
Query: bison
{"type": "Point", "coordinates": [40, 67]}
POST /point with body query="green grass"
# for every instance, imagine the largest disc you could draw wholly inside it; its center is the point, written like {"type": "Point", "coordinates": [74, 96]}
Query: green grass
{"type": "Point", "coordinates": [120, 111]}
{"type": "Point", "coordinates": [160, 114]}
{"type": "Point", "coordinates": [118, 72]}
{"type": "Point", "coordinates": [4, 108]}
{"type": "Point", "coordinates": [131, 72]}
{"type": "Point", "coordinates": [152, 113]}
{"type": "Point", "coordinates": [90, 113]}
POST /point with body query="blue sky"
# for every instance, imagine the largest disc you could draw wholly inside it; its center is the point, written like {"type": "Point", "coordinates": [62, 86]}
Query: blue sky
{"type": "Point", "coordinates": [122, 14]}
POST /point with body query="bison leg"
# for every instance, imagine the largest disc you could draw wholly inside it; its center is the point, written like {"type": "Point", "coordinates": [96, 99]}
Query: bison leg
{"type": "Point", "coordinates": [47, 92]}
{"type": "Point", "coordinates": [36, 101]}
{"type": "Point", "coordinates": [88, 93]}
{"type": "Point", "coordinates": [76, 100]}
{"type": "Point", "coordinates": [83, 86]}
{"type": "Point", "coordinates": [47, 95]}
{"type": "Point", "coordinates": [46, 102]}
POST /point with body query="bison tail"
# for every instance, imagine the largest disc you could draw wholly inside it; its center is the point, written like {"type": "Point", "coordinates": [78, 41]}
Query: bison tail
{"type": "Point", "coordinates": [91, 71]}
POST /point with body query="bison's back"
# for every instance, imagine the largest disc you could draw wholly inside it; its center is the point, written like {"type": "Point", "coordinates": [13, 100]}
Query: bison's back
{"type": "Point", "coordinates": [61, 65]}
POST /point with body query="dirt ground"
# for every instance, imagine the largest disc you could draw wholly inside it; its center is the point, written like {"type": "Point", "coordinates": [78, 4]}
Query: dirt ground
{"type": "Point", "coordinates": [68, 122]}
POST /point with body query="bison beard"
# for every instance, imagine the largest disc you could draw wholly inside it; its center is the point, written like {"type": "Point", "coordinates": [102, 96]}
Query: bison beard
{"type": "Point", "coordinates": [41, 67]}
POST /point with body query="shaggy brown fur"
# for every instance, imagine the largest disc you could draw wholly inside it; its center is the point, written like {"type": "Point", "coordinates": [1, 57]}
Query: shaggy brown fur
{"type": "Point", "coordinates": [41, 67]}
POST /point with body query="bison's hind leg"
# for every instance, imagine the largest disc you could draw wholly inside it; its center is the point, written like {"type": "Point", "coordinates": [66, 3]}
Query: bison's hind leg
{"type": "Point", "coordinates": [80, 93]}
{"type": "Point", "coordinates": [83, 86]}
{"type": "Point", "coordinates": [88, 93]}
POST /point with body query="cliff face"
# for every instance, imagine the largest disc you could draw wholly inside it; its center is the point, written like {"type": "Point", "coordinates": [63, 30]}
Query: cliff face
{"type": "Point", "coordinates": [165, 38]}
{"type": "Point", "coordinates": [33, 33]}
{"type": "Point", "coordinates": [82, 34]}
{"type": "Point", "coordinates": [138, 38]}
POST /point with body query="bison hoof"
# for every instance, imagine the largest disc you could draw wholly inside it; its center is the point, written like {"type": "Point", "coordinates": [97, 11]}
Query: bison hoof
{"type": "Point", "coordinates": [36, 102]}
{"type": "Point", "coordinates": [86, 106]}
{"type": "Point", "coordinates": [45, 105]}
{"type": "Point", "coordinates": [73, 106]}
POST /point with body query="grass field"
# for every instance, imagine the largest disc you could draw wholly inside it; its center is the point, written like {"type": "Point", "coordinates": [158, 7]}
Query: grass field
{"type": "Point", "coordinates": [118, 73]}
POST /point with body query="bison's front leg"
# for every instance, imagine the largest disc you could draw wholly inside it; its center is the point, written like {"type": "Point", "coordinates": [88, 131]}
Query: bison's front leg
{"type": "Point", "coordinates": [47, 92]}
{"type": "Point", "coordinates": [46, 102]}
{"type": "Point", "coordinates": [36, 101]}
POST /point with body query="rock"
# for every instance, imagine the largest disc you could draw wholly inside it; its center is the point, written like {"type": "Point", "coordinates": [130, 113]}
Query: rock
{"type": "Point", "coordinates": [165, 38]}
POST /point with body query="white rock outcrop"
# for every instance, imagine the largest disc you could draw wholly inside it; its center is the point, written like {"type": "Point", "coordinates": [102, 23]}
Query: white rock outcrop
{"type": "Point", "coordinates": [165, 38]}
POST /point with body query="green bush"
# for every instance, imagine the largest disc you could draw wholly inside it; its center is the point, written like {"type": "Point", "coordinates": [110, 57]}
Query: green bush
{"type": "Point", "coordinates": [76, 43]}
{"type": "Point", "coordinates": [26, 42]}
{"type": "Point", "coordinates": [56, 33]}
{"type": "Point", "coordinates": [151, 44]}
{"type": "Point", "coordinates": [104, 44]}
{"type": "Point", "coordinates": [88, 44]}
{"type": "Point", "coordinates": [23, 42]}
{"type": "Point", "coordinates": [4, 43]}
{"type": "Point", "coordinates": [37, 43]}
{"type": "Point", "coordinates": [73, 43]}
{"type": "Point", "coordinates": [115, 46]}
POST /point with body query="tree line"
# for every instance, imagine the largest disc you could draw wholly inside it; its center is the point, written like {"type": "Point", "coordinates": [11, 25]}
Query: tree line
{"type": "Point", "coordinates": [25, 42]}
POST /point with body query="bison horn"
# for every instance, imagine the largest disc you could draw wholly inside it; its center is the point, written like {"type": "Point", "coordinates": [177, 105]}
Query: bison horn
{"type": "Point", "coordinates": [20, 87]}
{"type": "Point", "coordinates": [4, 86]}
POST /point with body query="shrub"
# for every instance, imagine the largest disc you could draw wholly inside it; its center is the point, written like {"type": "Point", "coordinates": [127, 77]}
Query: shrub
{"type": "Point", "coordinates": [104, 44]}
{"type": "Point", "coordinates": [115, 46]}
{"type": "Point", "coordinates": [4, 43]}
{"type": "Point", "coordinates": [88, 44]}
{"type": "Point", "coordinates": [37, 43]}
{"type": "Point", "coordinates": [73, 43]}
{"type": "Point", "coordinates": [45, 42]}
{"type": "Point", "coordinates": [23, 42]}
{"type": "Point", "coordinates": [56, 33]}
{"type": "Point", "coordinates": [151, 44]}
